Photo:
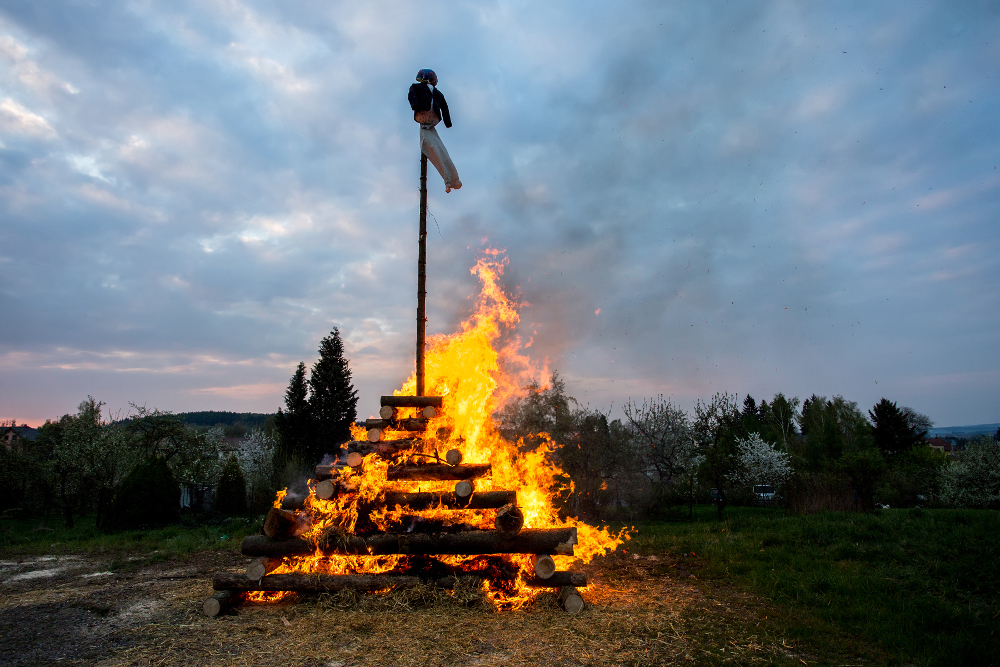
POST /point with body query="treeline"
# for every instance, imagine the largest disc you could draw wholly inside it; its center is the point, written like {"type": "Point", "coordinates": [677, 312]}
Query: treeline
{"type": "Point", "coordinates": [818, 454]}
{"type": "Point", "coordinates": [141, 470]}
{"type": "Point", "coordinates": [130, 471]}
{"type": "Point", "coordinates": [233, 424]}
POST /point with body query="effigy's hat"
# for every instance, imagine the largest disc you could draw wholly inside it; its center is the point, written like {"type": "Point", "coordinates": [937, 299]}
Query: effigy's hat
{"type": "Point", "coordinates": [427, 76]}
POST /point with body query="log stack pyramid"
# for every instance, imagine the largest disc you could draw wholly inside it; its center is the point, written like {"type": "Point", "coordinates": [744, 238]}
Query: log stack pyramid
{"type": "Point", "coordinates": [282, 525]}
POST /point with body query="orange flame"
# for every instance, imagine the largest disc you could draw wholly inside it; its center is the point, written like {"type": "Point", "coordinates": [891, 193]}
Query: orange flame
{"type": "Point", "coordinates": [477, 370]}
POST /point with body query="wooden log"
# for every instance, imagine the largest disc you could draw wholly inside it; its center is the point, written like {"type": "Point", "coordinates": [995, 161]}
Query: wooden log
{"type": "Point", "coordinates": [398, 425]}
{"type": "Point", "coordinates": [469, 543]}
{"type": "Point", "coordinates": [428, 412]}
{"type": "Point", "coordinates": [571, 600]}
{"type": "Point", "coordinates": [566, 548]}
{"type": "Point", "coordinates": [478, 501]}
{"type": "Point", "coordinates": [544, 566]}
{"type": "Point", "coordinates": [220, 601]}
{"type": "Point", "coordinates": [438, 472]}
{"type": "Point", "coordinates": [313, 582]}
{"type": "Point", "coordinates": [463, 490]}
{"type": "Point", "coordinates": [354, 459]}
{"type": "Point", "coordinates": [453, 457]}
{"type": "Point", "coordinates": [258, 567]}
{"type": "Point", "coordinates": [282, 524]}
{"type": "Point", "coordinates": [509, 521]}
{"type": "Point", "coordinates": [374, 434]}
{"type": "Point", "coordinates": [236, 584]}
{"type": "Point", "coordinates": [558, 580]}
{"type": "Point", "coordinates": [365, 447]}
{"type": "Point", "coordinates": [387, 412]}
{"type": "Point", "coordinates": [412, 401]}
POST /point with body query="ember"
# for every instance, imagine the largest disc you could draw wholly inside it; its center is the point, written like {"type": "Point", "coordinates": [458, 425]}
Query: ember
{"type": "Point", "coordinates": [430, 493]}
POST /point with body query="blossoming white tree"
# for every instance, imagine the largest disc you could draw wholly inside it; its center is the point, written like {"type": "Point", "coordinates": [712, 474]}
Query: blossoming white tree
{"type": "Point", "coordinates": [759, 462]}
{"type": "Point", "coordinates": [256, 456]}
{"type": "Point", "coordinates": [974, 479]}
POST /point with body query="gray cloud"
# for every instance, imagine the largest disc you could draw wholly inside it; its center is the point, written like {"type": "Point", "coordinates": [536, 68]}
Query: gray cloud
{"type": "Point", "coordinates": [764, 198]}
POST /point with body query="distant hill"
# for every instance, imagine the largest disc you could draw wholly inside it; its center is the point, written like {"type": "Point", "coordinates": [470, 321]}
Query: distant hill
{"type": "Point", "coordinates": [963, 431]}
{"type": "Point", "coordinates": [213, 417]}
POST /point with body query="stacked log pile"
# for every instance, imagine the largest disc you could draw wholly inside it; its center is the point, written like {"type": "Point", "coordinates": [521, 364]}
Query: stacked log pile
{"type": "Point", "coordinates": [284, 526]}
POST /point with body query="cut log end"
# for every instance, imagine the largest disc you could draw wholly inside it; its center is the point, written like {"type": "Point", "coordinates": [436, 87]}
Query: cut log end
{"type": "Point", "coordinates": [509, 521]}
{"type": "Point", "coordinates": [374, 435]}
{"type": "Point", "coordinates": [544, 566]}
{"type": "Point", "coordinates": [220, 601]}
{"type": "Point", "coordinates": [326, 490]}
{"type": "Point", "coordinates": [262, 566]}
{"type": "Point", "coordinates": [463, 490]}
{"type": "Point", "coordinates": [282, 524]}
{"type": "Point", "coordinates": [566, 548]}
{"type": "Point", "coordinates": [453, 457]}
{"type": "Point", "coordinates": [387, 412]}
{"type": "Point", "coordinates": [571, 600]}
{"type": "Point", "coordinates": [428, 412]}
{"type": "Point", "coordinates": [354, 459]}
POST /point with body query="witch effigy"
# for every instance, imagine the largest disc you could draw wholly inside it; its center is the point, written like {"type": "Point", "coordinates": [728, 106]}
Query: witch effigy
{"type": "Point", "coordinates": [429, 109]}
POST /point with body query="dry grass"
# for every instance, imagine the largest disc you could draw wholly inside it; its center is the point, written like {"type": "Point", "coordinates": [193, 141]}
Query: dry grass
{"type": "Point", "coordinates": [634, 620]}
{"type": "Point", "coordinates": [152, 616]}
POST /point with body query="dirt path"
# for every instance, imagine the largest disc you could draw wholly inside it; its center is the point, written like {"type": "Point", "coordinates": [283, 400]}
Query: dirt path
{"type": "Point", "coordinates": [79, 610]}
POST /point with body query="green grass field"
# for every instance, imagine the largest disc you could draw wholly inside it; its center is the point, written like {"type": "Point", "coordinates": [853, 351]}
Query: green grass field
{"type": "Point", "coordinates": [33, 537]}
{"type": "Point", "coordinates": [922, 584]}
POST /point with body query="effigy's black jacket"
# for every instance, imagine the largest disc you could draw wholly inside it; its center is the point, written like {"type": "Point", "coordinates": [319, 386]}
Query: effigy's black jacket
{"type": "Point", "coordinates": [421, 99]}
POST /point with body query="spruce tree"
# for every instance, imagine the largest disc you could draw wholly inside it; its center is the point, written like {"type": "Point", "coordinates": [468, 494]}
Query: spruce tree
{"type": "Point", "coordinates": [333, 401]}
{"type": "Point", "coordinates": [294, 426]}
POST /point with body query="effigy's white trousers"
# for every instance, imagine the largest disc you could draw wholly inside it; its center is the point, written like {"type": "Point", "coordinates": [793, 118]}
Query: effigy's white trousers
{"type": "Point", "coordinates": [432, 146]}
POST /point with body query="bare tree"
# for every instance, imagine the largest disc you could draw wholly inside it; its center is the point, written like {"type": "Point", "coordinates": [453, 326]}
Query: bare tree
{"type": "Point", "coordinates": [664, 438]}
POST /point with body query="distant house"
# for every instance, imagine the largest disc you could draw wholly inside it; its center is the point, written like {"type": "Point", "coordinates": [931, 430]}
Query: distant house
{"type": "Point", "coordinates": [11, 435]}
{"type": "Point", "coordinates": [942, 445]}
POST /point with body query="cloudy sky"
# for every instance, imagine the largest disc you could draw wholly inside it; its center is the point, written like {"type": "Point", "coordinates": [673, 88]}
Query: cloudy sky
{"type": "Point", "coordinates": [695, 197]}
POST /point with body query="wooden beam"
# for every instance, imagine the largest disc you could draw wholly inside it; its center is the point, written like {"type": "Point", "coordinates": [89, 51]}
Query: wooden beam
{"type": "Point", "coordinates": [438, 472]}
{"type": "Point", "coordinates": [412, 401]}
{"type": "Point", "coordinates": [469, 543]}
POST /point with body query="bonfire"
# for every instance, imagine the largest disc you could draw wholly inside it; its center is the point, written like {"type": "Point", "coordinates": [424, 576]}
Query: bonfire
{"type": "Point", "coordinates": [430, 493]}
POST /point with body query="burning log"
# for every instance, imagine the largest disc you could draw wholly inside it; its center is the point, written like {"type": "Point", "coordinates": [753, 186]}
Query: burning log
{"type": "Point", "coordinates": [571, 600]}
{"type": "Point", "coordinates": [282, 524]}
{"type": "Point", "coordinates": [412, 401]}
{"type": "Point", "coordinates": [510, 520]}
{"type": "Point", "coordinates": [478, 501]}
{"type": "Point", "coordinates": [328, 489]}
{"type": "Point", "coordinates": [313, 582]}
{"type": "Point", "coordinates": [470, 543]}
{"type": "Point", "coordinates": [259, 567]}
{"type": "Point", "coordinates": [214, 605]}
{"type": "Point", "coordinates": [453, 457]}
{"type": "Point", "coordinates": [303, 583]}
{"type": "Point", "coordinates": [438, 472]}
{"type": "Point", "coordinates": [428, 412]}
{"type": "Point", "coordinates": [558, 580]}
{"type": "Point", "coordinates": [399, 425]}
{"type": "Point", "coordinates": [387, 412]}
{"type": "Point", "coordinates": [543, 564]}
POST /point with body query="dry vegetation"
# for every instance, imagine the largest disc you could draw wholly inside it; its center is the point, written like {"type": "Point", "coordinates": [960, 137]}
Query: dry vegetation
{"type": "Point", "coordinates": [641, 611]}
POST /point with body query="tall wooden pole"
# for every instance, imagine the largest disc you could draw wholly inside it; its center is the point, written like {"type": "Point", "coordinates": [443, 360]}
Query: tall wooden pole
{"type": "Point", "coordinates": [422, 275]}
